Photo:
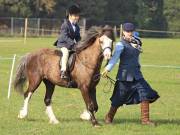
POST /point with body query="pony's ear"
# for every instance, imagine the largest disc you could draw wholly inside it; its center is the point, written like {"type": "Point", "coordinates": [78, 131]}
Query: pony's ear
{"type": "Point", "coordinates": [107, 28]}
{"type": "Point", "coordinates": [108, 31]}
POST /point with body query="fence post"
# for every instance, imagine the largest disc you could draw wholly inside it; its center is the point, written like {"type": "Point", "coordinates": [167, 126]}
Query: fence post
{"type": "Point", "coordinates": [115, 31]}
{"type": "Point", "coordinates": [11, 75]}
{"type": "Point", "coordinates": [25, 30]}
{"type": "Point", "coordinates": [84, 27]}
{"type": "Point", "coordinates": [21, 32]}
{"type": "Point", "coordinates": [12, 26]}
{"type": "Point", "coordinates": [38, 23]}
{"type": "Point", "coordinates": [120, 32]}
{"type": "Point", "coordinates": [42, 32]}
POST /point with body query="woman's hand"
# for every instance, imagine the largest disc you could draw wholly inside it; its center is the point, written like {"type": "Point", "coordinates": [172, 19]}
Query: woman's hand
{"type": "Point", "coordinates": [104, 73]}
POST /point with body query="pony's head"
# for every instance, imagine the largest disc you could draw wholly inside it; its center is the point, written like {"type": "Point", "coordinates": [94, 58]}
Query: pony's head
{"type": "Point", "coordinates": [105, 36]}
{"type": "Point", "coordinates": [106, 41]}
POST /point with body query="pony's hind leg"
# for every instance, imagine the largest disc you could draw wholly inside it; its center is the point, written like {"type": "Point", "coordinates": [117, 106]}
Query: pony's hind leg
{"type": "Point", "coordinates": [33, 85]}
{"type": "Point", "coordinates": [47, 101]}
{"type": "Point", "coordinates": [24, 111]}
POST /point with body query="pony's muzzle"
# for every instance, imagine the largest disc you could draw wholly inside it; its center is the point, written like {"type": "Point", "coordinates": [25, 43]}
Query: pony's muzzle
{"type": "Point", "coordinates": [107, 53]}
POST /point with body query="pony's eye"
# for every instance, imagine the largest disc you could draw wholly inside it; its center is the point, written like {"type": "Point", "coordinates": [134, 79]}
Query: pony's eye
{"type": "Point", "coordinates": [101, 42]}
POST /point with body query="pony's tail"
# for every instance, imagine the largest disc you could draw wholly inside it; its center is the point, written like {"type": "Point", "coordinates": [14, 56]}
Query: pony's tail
{"type": "Point", "coordinates": [21, 75]}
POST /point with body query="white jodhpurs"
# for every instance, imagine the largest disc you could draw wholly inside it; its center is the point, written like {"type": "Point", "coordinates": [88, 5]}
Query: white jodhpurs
{"type": "Point", "coordinates": [64, 60]}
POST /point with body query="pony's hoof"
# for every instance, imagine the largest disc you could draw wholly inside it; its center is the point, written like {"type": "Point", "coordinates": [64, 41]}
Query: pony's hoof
{"type": "Point", "coordinates": [54, 122]}
{"type": "Point", "coordinates": [85, 115]}
{"type": "Point", "coordinates": [97, 125]}
{"type": "Point", "coordinates": [22, 114]}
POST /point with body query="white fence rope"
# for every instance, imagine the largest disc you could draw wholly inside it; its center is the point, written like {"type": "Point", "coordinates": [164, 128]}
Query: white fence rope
{"type": "Point", "coordinates": [158, 31]}
{"type": "Point", "coordinates": [143, 65]}
{"type": "Point", "coordinates": [1, 58]}
{"type": "Point", "coordinates": [10, 58]}
{"type": "Point", "coordinates": [11, 40]}
{"type": "Point", "coordinates": [162, 66]}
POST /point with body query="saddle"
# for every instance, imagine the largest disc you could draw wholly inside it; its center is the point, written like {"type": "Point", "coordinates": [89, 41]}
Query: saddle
{"type": "Point", "coordinates": [70, 66]}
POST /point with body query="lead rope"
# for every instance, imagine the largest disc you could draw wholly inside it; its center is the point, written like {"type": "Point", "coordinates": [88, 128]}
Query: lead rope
{"type": "Point", "coordinates": [111, 82]}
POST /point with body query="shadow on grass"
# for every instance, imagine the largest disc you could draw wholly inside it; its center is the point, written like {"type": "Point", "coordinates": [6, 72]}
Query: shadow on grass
{"type": "Point", "coordinates": [121, 121]}
{"type": "Point", "coordinates": [166, 121]}
{"type": "Point", "coordinates": [76, 119]}
{"type": "Point", "coordinates": [164, 82]}
{"type": "Point", "coordinates": [137, 121]}
{"type": "Point", "coordinates": [35, 120]}
{"type": "Point", "coordinates": [116, 121]}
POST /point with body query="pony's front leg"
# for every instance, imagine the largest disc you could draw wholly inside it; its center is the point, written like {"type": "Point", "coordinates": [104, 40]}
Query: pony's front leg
{"type": "Point", "coordinates": [89, 105]}
{"type": "Point", "coordinates": [86, 115]}
{"type": "Point", "coordinates": [93, 97]}
{"type": "Point", "coordinates": [24, 111]}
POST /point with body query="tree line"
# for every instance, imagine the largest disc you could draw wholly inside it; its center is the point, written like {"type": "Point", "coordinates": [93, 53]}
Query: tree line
{"type": "Point", "coordinates": [146, 14]}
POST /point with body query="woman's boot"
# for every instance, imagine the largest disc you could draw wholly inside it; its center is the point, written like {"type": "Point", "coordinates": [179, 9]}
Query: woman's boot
{"type": "Point", "coordinates": [145, 114]}
{"type": "Point", "coordinates": [110, 115]}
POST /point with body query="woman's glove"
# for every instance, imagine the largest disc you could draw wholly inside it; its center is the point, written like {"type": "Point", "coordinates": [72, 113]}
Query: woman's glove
{"type": "Point", "coordinates": [104, 73]}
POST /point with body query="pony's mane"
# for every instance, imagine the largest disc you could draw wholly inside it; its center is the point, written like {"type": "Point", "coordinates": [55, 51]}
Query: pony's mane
{"type": "Point", "coordinates": [88, 39]}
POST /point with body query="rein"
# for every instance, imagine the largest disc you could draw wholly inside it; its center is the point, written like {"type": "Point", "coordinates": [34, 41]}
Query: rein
{"type": "Point", "coordinates": [86, 64]}
{"type": "Point", "coordinates": [109, 81]}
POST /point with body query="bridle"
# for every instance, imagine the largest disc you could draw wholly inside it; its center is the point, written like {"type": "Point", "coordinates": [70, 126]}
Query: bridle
{"type": "Point", "coordinates": [86, 64]}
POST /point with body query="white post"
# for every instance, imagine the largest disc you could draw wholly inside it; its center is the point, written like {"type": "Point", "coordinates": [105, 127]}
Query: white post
{"type": "Point", "coordinates": [25, 30]}
{"type": "Point", "coordinates": [11, 74]}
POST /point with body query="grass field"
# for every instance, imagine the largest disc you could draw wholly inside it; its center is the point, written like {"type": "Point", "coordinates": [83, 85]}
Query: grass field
{"type": "Point", "coordinates": [68, 103]}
